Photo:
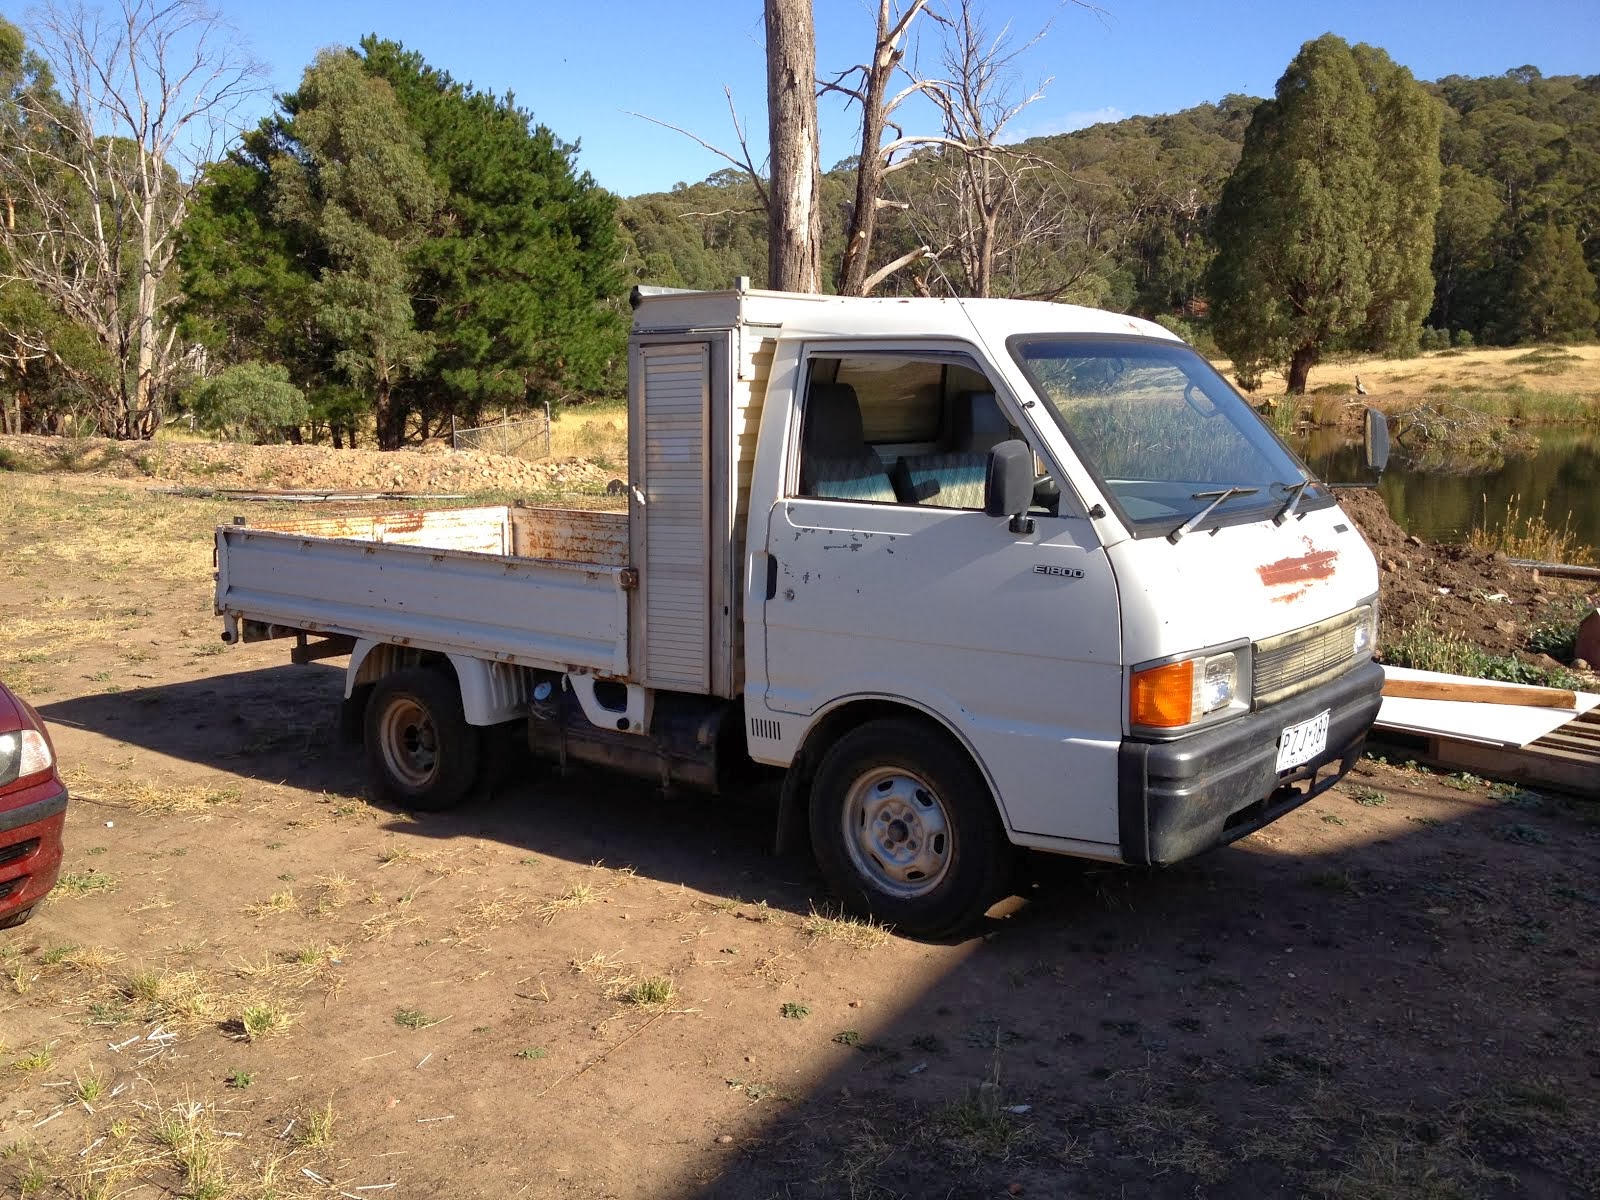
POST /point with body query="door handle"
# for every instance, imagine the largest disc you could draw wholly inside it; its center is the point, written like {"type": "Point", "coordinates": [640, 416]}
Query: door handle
{"type": "Point", "coordinates": [772, 577]}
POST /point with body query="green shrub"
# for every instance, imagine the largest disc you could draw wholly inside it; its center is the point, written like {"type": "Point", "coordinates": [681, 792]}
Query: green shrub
{"type": "Point", "coordinates": [251, 399]}
{"type": "Point", "coordinates": [1425, 648]}
{"type": "Point", "coordinates": [1463, 339]}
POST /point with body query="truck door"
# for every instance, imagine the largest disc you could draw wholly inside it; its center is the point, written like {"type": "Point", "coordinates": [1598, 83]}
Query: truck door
{"type": "Point", "coordinates": [887, 579]}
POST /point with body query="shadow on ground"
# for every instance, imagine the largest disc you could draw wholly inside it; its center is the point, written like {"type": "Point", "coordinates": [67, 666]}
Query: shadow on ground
{"type": "Point", "coordinates": [1337, 1006]}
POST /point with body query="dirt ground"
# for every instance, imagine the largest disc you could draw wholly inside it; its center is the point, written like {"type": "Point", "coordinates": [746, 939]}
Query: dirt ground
{"type": "Point", "coordinates": [1475, 594]}
{"type": "Point", "coordinates": [253, 982]}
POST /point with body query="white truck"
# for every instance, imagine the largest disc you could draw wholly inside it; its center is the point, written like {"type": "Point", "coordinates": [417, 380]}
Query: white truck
{"type": "Point", "coordinates": [974, 574]}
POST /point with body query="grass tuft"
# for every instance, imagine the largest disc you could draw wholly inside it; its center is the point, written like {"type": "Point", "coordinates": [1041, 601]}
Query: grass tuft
{"type": "Point", "coordinates": [859, 933]}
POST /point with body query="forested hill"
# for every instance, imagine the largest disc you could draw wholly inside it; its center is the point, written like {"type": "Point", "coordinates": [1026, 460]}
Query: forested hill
{"type": "Point", "coordinates": [1119, 215]}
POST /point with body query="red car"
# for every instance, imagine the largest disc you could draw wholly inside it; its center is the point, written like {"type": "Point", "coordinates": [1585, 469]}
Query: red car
{"type": "Point", "coordinates": [33, 810]}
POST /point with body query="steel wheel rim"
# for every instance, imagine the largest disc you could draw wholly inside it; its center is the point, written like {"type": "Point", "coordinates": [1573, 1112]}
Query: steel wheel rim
{"type": "Point", "coordinates": [897, 832]}
{"type": "Point", "coordinates": [410, 742]}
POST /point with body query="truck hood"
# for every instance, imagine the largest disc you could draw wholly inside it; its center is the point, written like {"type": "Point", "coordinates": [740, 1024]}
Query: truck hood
{"type": "Point", "coordinates": [1239, 582]}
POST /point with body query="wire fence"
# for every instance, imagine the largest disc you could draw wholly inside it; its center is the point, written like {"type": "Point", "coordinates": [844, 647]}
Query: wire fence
{"type": "Point", "coordinates": [520, 437]}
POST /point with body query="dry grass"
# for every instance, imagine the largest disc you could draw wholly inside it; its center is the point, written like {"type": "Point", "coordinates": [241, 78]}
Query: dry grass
{"type": "Point", "coordinates": [576, 896]}
{"type": "Point", "coordinates": [858, 933]}
{"type": "Point", "coordinates": [154, 797]}
{"type": "Point", "coordinates": [1531, 536]}
{"type": "Point", "coordinates": [273, 905]}
{"type": "Point", "coordinates": [1578, 370]}
{"type": "Point", "coordinates": [597, 432]}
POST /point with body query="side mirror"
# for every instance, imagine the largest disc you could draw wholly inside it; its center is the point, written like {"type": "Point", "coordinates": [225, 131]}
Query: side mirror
{"type": "Point", "coordinates": [1008, 486]}
{"type": "Point", "coordinates": [1375, 439]}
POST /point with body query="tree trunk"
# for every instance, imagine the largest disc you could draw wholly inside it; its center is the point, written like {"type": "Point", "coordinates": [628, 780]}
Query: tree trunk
{"type": "Point", "coordinates": [1300, 364]}
{"type": "Point", "coordinates": [863, 223]}
{"type": "Point", "coordinates": [794, 240]}
{"type": "Point", "coordinates": [386, 420]}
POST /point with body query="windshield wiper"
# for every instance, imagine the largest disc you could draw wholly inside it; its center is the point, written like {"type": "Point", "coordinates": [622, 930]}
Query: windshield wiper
{"type": "Point", "coordinates": [1221, 498]}
{"type": "Point", "coordinates": [1296, 490]}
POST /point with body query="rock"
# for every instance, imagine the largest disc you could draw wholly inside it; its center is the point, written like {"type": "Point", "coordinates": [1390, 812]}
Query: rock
{"type": "Point", "coordinates": [724, 1139]}
{"type": "Point", "coordinates": [1506, 627]}
{"type": "Point", "coordinates": [1390, 565]}
{"type": "Point", "coordinates": [1550, 664]}
{"type": "Point", "coordinates": [1587, 644]}
{"type": "Point", "coordinates": [1413, 539]}
{"type": "Point", "coordinates": [1578, 664]}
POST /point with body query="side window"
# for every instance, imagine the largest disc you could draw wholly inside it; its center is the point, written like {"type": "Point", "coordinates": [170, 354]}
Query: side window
{"type": "Point", "coordinates": [899, 429]}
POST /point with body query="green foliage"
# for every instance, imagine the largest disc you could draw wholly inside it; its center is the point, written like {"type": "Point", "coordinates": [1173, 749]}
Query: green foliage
{"type": "Point", "coordinates": [1324, 230]}
{"type": "Point", "coordinates": [1426, 648]}
{"type": "Point", "coordinates": [250, 398]}
{"type": "Point", "coordinates": [1552, 293]}
{"type": "Point", "coordinates": [1524, 150]}
{"type": "Point", "coordinates": [516, 286]}
{"type": "Point", "coordinates": [408, 247]}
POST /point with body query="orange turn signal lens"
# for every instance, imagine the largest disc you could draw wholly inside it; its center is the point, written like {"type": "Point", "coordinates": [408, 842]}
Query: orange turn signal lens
{"type": "Point", "coordinates": [1162, 697]}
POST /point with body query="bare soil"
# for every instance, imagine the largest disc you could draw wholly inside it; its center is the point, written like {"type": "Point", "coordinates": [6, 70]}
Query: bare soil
{"type": "Point", "coordinates": [254, 982]}
{"type": "Point", "coordinates": [1474, 593]}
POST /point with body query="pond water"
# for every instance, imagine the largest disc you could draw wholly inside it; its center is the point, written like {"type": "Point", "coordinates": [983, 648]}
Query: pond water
{"type": "Point", "coordinates": [1562, 477]}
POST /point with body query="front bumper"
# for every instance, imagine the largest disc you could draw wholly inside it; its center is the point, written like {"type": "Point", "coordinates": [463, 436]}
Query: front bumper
{"type": "Point", "coordinates": [30, 847]}
{"type": "Point", "coordinates": [1177, 798]}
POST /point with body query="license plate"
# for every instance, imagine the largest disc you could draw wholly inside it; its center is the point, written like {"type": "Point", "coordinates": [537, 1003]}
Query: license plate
{"type": "Point", "coordinates": [1303, 742]}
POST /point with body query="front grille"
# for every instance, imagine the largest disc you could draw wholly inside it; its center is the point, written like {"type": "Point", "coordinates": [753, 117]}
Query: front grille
{"type": "Point", "coordinates": [1296, 661]}
{"type": "Point", "coordinates": [10, 854]}
{"type": "Point", "coordinates": [11, 885]}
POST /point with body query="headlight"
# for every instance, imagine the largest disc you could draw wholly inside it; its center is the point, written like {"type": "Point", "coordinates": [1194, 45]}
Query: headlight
{"type": "Point", "coordinates": [1174, 694]}
{"type": "Point", "coordinates": [23, 752]}
{"type": "Point", "coordinates": [1364, 639]}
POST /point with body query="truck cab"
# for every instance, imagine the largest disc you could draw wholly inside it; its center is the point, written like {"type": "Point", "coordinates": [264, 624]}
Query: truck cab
{"type": "Point", "coordinates": [973, 574]}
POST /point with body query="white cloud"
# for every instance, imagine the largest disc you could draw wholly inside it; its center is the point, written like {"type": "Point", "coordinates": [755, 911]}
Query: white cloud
{"type": "Point", "coordinates": [1064, 123]}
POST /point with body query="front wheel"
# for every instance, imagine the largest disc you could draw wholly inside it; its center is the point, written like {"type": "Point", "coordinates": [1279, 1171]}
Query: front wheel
{"type": "Point", "coordinates": [905, 830]}
{"type": "Point", "coordinates": [421, 753]}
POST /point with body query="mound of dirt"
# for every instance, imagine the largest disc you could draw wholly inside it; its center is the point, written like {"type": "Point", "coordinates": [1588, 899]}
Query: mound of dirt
{"type": "Point", "coordinates": [431, 468]}
{"type": "Point", "coordinates": [1473, 593]}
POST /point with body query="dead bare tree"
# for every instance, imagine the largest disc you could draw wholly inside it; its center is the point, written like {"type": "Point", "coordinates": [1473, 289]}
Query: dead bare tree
{"type": "Point", "coordinates": [979, 177]}
{"type": "Point", "coordinates": [867, 84]}
{"type": "Point", "coordinates": [794, 215]}
{"type": "Point", "coordinates": [102, 170]}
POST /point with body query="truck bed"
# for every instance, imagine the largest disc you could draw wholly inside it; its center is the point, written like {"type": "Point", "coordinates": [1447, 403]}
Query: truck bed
{"type": "Point", "coordinates": [542, 587]}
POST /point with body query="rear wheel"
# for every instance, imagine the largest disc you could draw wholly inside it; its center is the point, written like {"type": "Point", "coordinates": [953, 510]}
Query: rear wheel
{"type": "Point", "coordinates": [421, 753]}
{"type": "Point", "coordinates": [905, 830]}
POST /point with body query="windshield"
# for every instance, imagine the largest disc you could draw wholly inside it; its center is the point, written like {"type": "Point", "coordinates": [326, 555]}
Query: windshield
{"type": "Point", "coordinates": [1162, 431]}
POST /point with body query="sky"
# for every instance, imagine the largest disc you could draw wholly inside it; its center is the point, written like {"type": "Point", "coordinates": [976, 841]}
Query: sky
{"type": "Point", "coordinates": [582, 68]}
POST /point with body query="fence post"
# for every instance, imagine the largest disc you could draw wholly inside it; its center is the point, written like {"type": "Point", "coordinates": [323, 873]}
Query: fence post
{"type": "Point", "coordinates": [547, 429]}
{"type": "Point", "coordinates": [453, 444]}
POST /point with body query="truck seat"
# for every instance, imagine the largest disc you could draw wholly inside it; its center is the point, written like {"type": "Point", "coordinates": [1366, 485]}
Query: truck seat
{"type": "Point", "coordinates": [944, 480]}
{"type": "Point", "coordinates": [837, 463]}
{"type": "Point", "coordinates": [955, 479]}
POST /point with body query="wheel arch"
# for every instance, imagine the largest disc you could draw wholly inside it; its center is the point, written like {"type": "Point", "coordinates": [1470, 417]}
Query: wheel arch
{"type": "Point", "coordinates": [832, 722]}
{"type": "Point", "coordinates": [491, 692]}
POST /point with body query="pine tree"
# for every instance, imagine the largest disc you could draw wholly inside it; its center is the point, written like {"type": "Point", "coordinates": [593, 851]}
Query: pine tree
{"type": "Point", "coordinates": [1325, 228]}
{"type": "Point", "coordinates": [515, 284]}
{"type": "Point", "coordinates": [1552, 293]}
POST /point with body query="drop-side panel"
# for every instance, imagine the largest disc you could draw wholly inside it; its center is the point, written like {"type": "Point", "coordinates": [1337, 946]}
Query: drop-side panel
{"type": "Point", "coordinates": [566, 616]}
{"type": "Point", "coordinates": [671, 474]}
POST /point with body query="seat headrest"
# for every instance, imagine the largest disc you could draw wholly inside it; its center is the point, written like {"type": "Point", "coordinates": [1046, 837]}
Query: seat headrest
{"type": "Point", "coordinates": [833, 422]}
{"type": "Point", "coordinates": [980, 425]}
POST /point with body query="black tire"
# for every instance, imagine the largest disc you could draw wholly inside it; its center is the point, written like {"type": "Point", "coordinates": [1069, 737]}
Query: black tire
{"type": "Point", "coordinates": [421, 753]}
{"type": "Point", "coordinates": [16, 918]}
{"type": "Point", "coordinates": [905, 829]}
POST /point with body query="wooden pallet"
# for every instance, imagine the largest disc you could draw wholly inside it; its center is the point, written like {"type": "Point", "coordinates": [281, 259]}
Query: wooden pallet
{"type": "Point", "coordinates": [1565, 760]}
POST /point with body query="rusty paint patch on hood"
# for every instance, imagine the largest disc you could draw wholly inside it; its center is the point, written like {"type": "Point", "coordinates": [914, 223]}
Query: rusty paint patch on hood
{"type": "Point", "coordinates": [1309, 567]}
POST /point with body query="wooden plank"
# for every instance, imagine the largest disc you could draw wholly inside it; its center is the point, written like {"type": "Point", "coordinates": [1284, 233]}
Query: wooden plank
{"type": "Point", "coordinates": [1536, 766]}
{"type": "Point", "coordinates": [1480, 693]}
